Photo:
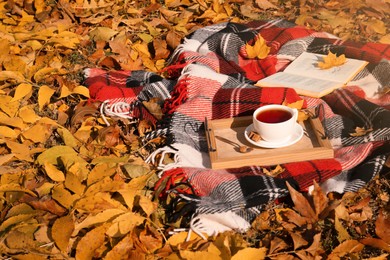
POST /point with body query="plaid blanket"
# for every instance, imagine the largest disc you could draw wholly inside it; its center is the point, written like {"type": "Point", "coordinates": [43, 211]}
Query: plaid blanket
{"type": "Point", "coordinates": [211, 76]}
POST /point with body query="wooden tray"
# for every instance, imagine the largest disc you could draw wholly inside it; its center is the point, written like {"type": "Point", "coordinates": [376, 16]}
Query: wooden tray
{"type": "Point", "coordinates": [221, 135]}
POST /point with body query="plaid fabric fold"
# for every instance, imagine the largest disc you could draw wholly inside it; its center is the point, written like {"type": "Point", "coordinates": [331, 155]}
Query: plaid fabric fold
{"type": "Point", "coordinates": [215, 80]}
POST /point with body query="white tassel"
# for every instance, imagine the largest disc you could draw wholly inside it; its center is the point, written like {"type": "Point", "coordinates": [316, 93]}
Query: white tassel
{"type": "Point", "coordinates": [213, 224]}
{"type": "Point", "coordinates": [119, 109]}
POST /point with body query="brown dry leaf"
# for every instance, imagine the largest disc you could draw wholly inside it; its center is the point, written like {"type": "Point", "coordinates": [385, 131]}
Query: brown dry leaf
{"type": "Point", "coordinates": [376, 243]}
{"type": "Point", "coordinates": [302, 205]}
{"type": "Point", "coordinates": [382, 227]}
{"type": "Point", "coordinates": [315, 248]}
{"type": "Point", "coordinates": [61, 232]}
{"type": "Point", "coordinates": [258, 50]}
{"type": "Point", "coordinates": [345, 248]}
{"type": "Point", "coordinates": [154, 107]}
{"type": "Point", "coordinates": [342, 233]}
{"type": "Point", "coordinates": [361, 131]}
{"type": "Point", "coordinates": [361, 211]}
{"type": "Point", "coordinates": [264, 4]}
{"type": "Point", "coordinates": [331, 60]}
{"type": "Point", "coordinates": [144, 127]}
{"type": "Point", "coordinates": [298, 240]}
{"type": "Point", "coordinates": [277, 245]}
{"type": "Point", "coordinates": [320, 199]}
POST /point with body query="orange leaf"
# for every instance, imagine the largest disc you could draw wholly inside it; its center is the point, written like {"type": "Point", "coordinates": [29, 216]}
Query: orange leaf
{"type": "Point", "coordinates": [259, 50]}
{"type": "Point", "coordinates": [331, 60]}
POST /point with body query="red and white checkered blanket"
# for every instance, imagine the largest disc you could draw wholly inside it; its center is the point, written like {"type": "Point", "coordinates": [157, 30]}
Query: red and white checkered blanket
{"type": "Point", "coordinates": [212, 77]}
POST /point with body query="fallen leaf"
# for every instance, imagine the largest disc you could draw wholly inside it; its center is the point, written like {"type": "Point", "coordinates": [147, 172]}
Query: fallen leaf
{"type": "Point", "coordinates": [342, 233]}
{"type": "Point", "coordinates": [382, 226]}
{"type": "Point", "coordinates": [258, 50]}
{"type": "Point", "coordinates": [61, 232]}
{"type": "Point", "coordinates": [21, 91]}
{"type": "Point", "coordinates": [88, 244]}
{"type": "Point", "coordinates": [250, 253]}
{"type": "Point", "coordinates": [298, 240]}
{"type": "Point", "coordinates": [302, 205]}
{"type": "Point", "coordinates": [44, 95]}
{"type": "Point", "coordinates": [348, 246]}
{"type": "Point", "coordinates": [53, 172]}
{"type": "Point", "coordinates": [99, 218]}
{"type": "Point", "coordinates": [376, 243]}
{"type": "Point", "coordinates": [361, 131]}
{"type": "Point", "coordinates": [331, 60]}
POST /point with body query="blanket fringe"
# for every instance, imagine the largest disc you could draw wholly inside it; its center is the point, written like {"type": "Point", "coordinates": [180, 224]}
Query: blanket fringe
{"type": "Point", "coordinates": [215, 223]}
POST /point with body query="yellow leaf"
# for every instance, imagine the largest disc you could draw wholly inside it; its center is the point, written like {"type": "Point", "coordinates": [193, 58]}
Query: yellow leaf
{"type": "Point", "coordinates": [124, 223]}
{"type": "Point", "coordinates": [259, 50]}
{"type": "Point", "coordinates": [9, 107]}
{"type": "Point", "coordinates": [147, 205]}
{"type": "Point", "coordinates": [39, 133]}
{"type": "Point", "coordinates": [14, 220]}
{"type": "Point", "coordinates": [63, 196]}
{"type": "Point", "coordinates": [12, 121]}
{"type": "Point", "coordinates": [15, 187]}
{"type": "Point", "coordinates": [66, 39]}
{"type": "Point", "coordinates": [181, 237]}
{"type": "Point", "coordinates": [89, 244]}
{"type": "Point", "coordinates": [54, 173]}
{"type": "Point", "coordinates": [21, 151]}
{"type": "Point", "coordinates": [65, 91]}
{"type": "Point", "coordinates": [44, 189]}
{"type": "Point", "coordinates": [7, 132]}
{"type": "Point", "coordinates": [5, 158]}
{"type": "Point", "coordinates": [100, 171]}
{"type": "Point", "coordinates": [67, 137]}
{"type": "Point", "coordinates": [28, 115]}
{"type": "Point", "coordinates": [250, 254]}
{"type": "Point", "coordinates": [99, 218]}
{"type": "Point", "coordinates": [44, 95]}
{"type": "Point", "coordinates": [44, 73]}
{"type": "Point", "coordinates": [61, 232]}
{"type": "Point", "coordinates": [74, 184]}
{"type": "Point", "coordinates": [142, 49]}
{"type": "Point", "coordinates": [81, 90]}
{"type": "Point", "coordinates": [377, 26]}
{"type": "Point", "coordinates": [385, 39]}
{"type": "Point", "coordinates": [331, 60]}
{"type": "Point", "coordinates": [102, 33]}
{"type": "Point", "coordinates": [34, 44]}
{"type": "Point", "coordinates": [52, 155]}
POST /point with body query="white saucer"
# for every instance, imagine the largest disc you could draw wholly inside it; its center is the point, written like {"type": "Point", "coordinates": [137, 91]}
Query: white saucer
{"type": "Point", "coordinates": [295, 137]}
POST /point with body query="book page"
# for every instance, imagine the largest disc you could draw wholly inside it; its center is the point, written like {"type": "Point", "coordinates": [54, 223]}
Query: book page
{"type": "Point", "coordinates": [303, 85]}
{"type": "Point", "coordinates": [306, 65]}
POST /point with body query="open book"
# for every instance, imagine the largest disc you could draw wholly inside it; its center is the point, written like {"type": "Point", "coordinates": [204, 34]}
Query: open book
{"type": "Point", "coordinates": [304, 75]}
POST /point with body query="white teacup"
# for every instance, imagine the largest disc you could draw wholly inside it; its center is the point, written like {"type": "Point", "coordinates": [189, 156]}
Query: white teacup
{"type": "Point", "coordinates": [275, 123]}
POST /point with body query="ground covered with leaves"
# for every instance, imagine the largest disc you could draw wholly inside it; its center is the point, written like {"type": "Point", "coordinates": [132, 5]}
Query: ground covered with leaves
{"type": "Point", "coordinates": [73, 187]}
